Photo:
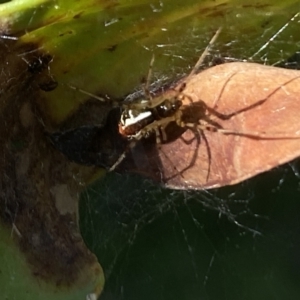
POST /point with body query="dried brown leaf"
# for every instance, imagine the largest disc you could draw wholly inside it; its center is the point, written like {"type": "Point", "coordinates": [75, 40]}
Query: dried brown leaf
{"type": "Point", "coordinates": [256, 109]}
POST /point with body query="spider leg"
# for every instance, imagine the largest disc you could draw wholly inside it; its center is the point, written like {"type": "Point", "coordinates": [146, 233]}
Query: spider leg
{"type": "Point", "coordinates": [158, 133]}
{"type": "Point", "coordinates": [219, 115]}
{"type": "Point", "coordinates": [208, 153]}
{"type": "Point", "coordinates": [204, 53]}
{"type": "Point", "coordinates": [187, 142]}
{"type": "Point", "coordinates": [198, 129]}
{"type": "Point", "coordinates": [146, 86]}
{"type": "Point", "coordinates": [253, 134]}
{"type": "Point", "coordinates": [122, 156]}
{"type": "Point", "coordinates": [197, 65]}
{"type": "Point", "coordinates": [90, 94]}
{"type": "Point", "coordinates": [192, 160]}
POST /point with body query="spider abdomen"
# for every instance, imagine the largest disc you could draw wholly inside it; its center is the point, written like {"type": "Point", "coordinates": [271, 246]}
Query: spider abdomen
{"type": "Point", "coordinates": [133, 121]}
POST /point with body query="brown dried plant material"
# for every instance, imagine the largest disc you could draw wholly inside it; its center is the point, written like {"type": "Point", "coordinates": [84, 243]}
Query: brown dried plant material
{"type": "Point", "coordinates": [39, 193]}
{"type": "Point", "coordinates": [256, 109]}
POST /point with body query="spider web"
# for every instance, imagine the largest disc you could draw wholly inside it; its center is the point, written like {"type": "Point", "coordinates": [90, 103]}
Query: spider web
{"type": "Point", "coordinates": [155, 243]}
{"type": "Point", "coordinates": [149, 238]}
{"type": "Point", "coordinates": [230, 243]}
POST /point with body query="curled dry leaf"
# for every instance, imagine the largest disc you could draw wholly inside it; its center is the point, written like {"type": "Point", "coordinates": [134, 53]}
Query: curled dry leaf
{"type": "Point", "coordinates": [249, 124]}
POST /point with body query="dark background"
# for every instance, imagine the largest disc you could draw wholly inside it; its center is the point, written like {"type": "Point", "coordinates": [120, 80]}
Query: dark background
{"type": "Point", "coordinates": [239, 242]}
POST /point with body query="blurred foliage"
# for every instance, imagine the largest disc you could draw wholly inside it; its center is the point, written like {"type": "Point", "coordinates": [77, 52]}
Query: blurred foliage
{"type": "Point", "coordinates": [105, 47]}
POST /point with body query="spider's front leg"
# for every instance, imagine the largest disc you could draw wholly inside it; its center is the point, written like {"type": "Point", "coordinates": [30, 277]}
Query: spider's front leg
{"type": "Point", "coordinates": [157, 127]}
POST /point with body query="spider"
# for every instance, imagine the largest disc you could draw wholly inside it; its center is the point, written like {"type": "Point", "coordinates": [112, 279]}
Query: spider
{"type": "Point", "coordinates": [142, 118]}
{"type": "Point", "coordinates": [150, 116]}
